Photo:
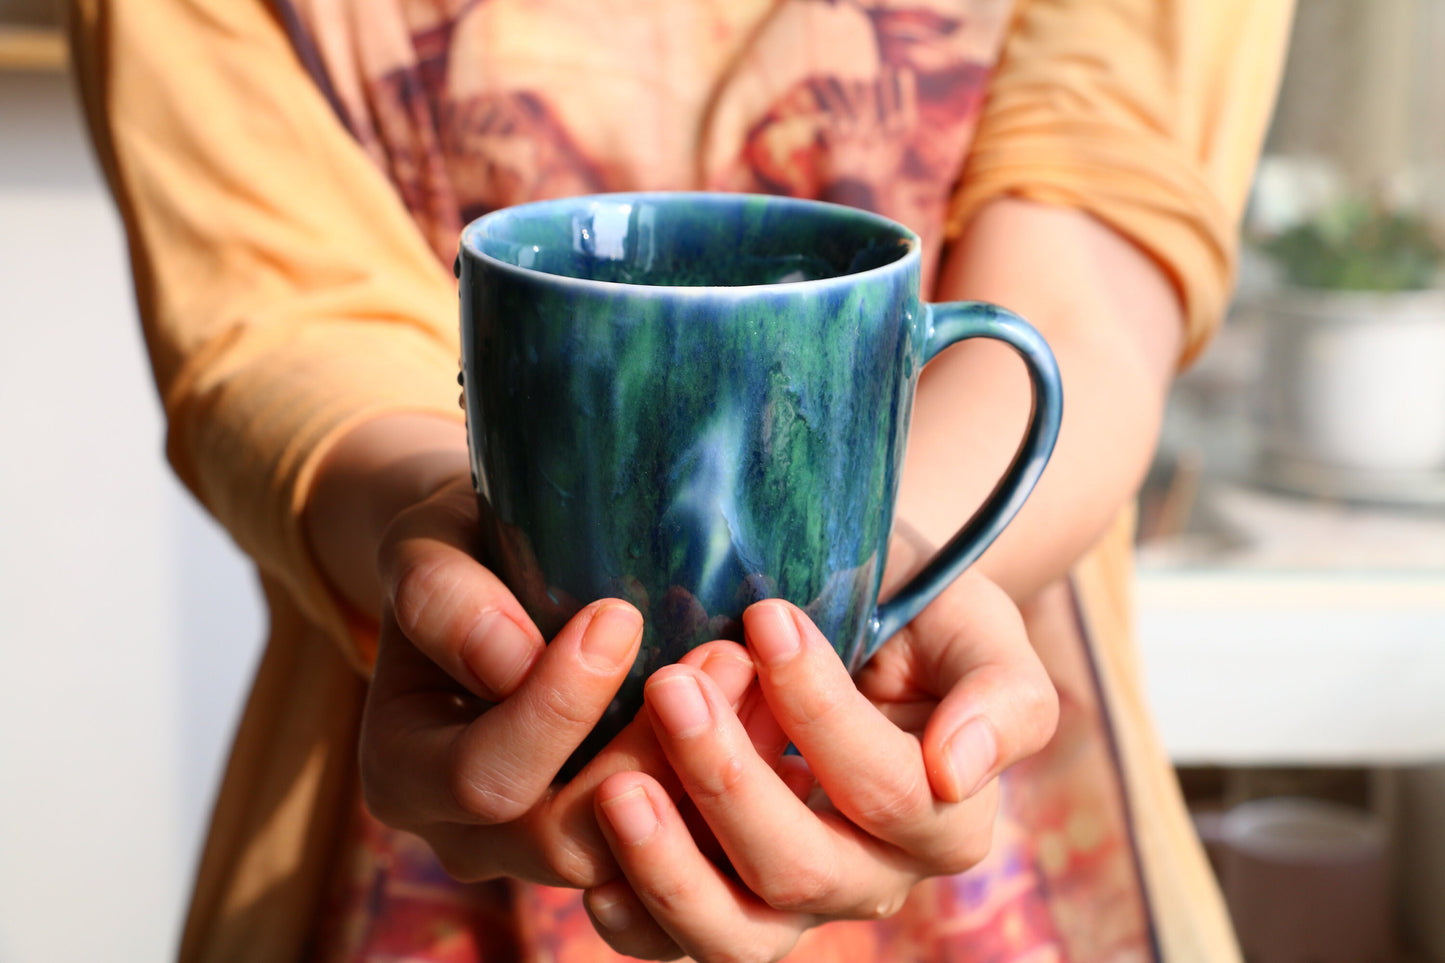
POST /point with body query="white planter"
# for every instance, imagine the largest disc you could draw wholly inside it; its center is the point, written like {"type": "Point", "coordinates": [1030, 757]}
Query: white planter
{"type": "Point", "coordinates": [1355, 381]}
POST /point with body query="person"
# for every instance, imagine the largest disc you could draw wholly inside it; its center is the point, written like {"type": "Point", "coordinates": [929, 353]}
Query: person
{"type": "Point", "coordinates": [293, 178]}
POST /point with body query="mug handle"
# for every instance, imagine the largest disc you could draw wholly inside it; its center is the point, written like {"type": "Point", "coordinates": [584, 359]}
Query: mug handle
{"type": "Point", "coordinates": [948, 324]}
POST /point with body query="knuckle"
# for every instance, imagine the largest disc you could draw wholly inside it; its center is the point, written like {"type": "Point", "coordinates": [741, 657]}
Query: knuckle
{"type": "Point", "coordinates": [970, 850]}
{"type": "Point", "coordinates": [1043, 712]}
{"type": "Point", "coordinates": [899, 797]}
{"type": "Point", "coordinates": [416, 585]}
{"type": "Point", "coordinates": [488, 801]}
{"type": "Point", "coordinates": [485, 804]}
{"type": "Point", "coordinates": [564, 706]}
{"type": "Point", "coordinates": [570, 866]}
{"type": "Point", "coordinates": [801, 888]}
{"type": "Point", "coordinates": [671, 896]}
{"type": "Point", "coordinates": [718, 783]}
{"type": "Point", "coordinates": [809, 705]}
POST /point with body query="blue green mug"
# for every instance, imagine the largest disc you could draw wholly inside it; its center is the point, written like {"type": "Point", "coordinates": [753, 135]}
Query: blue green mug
{"type": "Point", "coordinates": [695, 401]}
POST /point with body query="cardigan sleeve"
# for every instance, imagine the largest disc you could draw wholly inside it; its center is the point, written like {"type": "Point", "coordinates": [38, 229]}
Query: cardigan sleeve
{"type": "Point", "coordinates": [285, 292]}
{"type": "Point", "coordinates": [1147, 114]}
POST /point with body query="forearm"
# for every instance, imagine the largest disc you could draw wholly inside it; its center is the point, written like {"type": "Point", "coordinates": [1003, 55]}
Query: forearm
{"type": "Point", "coordinates": [1115, 325]}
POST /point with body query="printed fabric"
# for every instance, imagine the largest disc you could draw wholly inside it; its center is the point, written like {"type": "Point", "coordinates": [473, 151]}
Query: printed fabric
{"type": "Point", "coordinates": [471, 105]}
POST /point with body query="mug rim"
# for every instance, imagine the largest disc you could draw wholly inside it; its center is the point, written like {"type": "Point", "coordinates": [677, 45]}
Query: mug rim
{"type": "Point", "coordinates": [468, 246]}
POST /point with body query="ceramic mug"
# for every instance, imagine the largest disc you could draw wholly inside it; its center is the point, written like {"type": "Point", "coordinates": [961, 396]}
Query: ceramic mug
{"type": "Point", "coordinates": [695, 401]}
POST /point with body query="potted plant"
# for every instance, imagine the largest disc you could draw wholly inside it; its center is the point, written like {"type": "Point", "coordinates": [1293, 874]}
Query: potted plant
{"type": "Point", "coordinates": [1355, 353]}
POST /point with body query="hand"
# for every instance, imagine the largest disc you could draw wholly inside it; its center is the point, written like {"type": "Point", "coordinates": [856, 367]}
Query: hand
{"type": "Point", "coordinates": [905, 761]}
{"type": "Point", "coordinates": [470, 716]}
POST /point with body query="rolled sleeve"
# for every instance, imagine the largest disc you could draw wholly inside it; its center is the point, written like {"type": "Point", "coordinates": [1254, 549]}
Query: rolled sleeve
{"type": "Point", "coordinates": [285, 292]}
{"type": "Point", "coordinates": [1148, 115]}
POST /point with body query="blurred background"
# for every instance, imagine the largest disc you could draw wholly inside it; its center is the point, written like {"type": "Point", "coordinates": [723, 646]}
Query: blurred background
{"type": "Point", "coordinates": [1291, 589]}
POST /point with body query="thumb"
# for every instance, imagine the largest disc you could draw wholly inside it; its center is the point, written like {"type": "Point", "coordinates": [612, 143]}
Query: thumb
{"type": "Point", "coordinates": [997, 704]}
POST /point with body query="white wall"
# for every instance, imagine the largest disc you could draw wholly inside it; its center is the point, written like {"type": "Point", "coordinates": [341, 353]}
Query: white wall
{"type": "Point", "coordinates": [128, 623]}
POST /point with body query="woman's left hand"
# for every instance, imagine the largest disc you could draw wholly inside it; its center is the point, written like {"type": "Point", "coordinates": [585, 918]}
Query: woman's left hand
{"type": "Point", "coordinates": [899, 783]}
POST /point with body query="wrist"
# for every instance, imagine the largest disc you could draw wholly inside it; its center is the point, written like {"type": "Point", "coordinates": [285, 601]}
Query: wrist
{"type": "Point", "coordinates": [374, 471]}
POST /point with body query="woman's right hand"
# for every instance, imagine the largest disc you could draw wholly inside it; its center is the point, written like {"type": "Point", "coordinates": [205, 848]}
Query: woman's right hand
{"type": "Point", "coordinates": [470, 715]}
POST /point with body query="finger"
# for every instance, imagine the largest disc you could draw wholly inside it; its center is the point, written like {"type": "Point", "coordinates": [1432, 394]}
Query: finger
{"type": "Point", "coordinates": [450, 606]}
{"type": "Point", "coordinates": [412, 715]}
{"type": "Point", "coordinates": [636, 747]}
{"type": "Point", "coordinates": [728, 665]}
{"type": "Point", "coordinates": [788, 855]}
{"type": "Point", "coordinates": [731, 668]}
{"type": "Point", "coordinates": [506, 760]}
{"type": "Point", "coordinates": [428, 757]}
{"type": "Point", "coordinates": [872, 771]}
{"type": "Point", "coordinates": [998, 704]}
{"type": "Point", "coordinates": [797, 775]}
{"type": "Point", "coordinates": [569, 835]}
{"type": "Point", "coordinates": [768, 738]}
{"type": "Point", "coordinates": [477, 854]}
{"type": "Point", "coordinates": [705, 913]}
{"type": "Point", "coordinates": [624, 923]}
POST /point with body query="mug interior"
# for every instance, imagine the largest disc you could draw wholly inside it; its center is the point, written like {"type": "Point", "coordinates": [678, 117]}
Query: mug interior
{"type": "Point", "coordinates": [689, 240]}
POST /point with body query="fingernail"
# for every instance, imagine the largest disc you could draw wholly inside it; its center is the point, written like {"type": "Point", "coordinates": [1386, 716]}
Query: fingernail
{"type": "Point", "coordinates": [972, 753]}
{"type": "Point", "coordinates": [631, 816]}
{"type": "Point", "coordinates": [611, 911]}
{"type": "Point", "coordinates": [610, 635]}
{"type": "Point", "coordinates": [771, 632]}
{"type": "Point", "coordinates": [498, 652]}
{"type": "Point", "coordinates": [678, 702]}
